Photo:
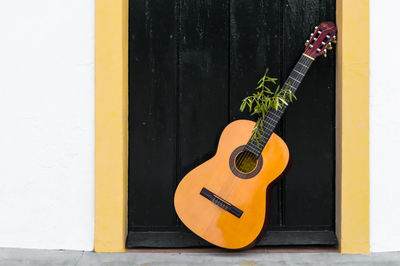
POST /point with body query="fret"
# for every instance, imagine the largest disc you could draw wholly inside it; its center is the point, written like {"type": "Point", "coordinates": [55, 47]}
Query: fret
{"type": "Point", "coordinates": [295, 79]}
{"type": "Point", "coordinates": [291, 86]}
{"type": "Point", "coordinates": [273, 120]}
{"type": "Point", "coordinates": [273, 116]}
{"type": "Point", "coordinates": [269, 125]}
{"type": "Point", "coordinates": [253, 144]}
{"type": "Point", "coordinates": [279, 111]}
{"type": "Point", "coordinates": [298, 72]}
{"type": "Point", "coordinates": [252, 149]}
{"type": "Point", "coordinates": [303, 65]}
{"type": "Point", "coordinates": [255, 147]}
{"type": "Point", "coordinates": [277, 116]}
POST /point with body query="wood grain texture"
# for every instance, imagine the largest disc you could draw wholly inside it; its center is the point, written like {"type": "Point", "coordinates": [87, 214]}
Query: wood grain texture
{"type": "Point", "coordinates": [211, 222]}
{"type": "Point", "coordinates": [309, 122]}
{"type": "Point", "coordinates": [152, 113]}
{"type": "Point", "coordinates": [255, 43]}
{"type": "Point", "coordinates": [188, 239]}
{"type": "Point", "coordinates": [203, 80]}
{"type": "Point", "coordinates": [191, 63]}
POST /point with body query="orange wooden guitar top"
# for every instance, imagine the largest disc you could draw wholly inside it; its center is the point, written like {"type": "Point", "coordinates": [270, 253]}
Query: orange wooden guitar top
{"type": "Point", "coordinates": [210, 221]}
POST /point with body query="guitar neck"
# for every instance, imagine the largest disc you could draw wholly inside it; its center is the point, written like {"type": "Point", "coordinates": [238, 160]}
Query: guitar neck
{"type": "Point", "coordinates": [273, 116]}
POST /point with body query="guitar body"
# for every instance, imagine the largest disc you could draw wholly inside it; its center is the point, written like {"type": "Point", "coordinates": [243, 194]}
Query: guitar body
{"type": "Point", "coordinates": [223, 205]}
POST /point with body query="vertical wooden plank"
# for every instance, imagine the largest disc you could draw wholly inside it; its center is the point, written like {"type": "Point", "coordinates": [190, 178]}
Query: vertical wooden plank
{"type": "Point", "coordinates": [203, 80]}
{"type": "Point", "coordinates": [152, 114]}
{"type": "Point", "coordinates": [309, 123]}
{"type": "Point", "coordinates": [254, 45]}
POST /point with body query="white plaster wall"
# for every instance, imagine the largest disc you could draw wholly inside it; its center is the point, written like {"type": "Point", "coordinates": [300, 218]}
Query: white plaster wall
{"type": "Point", "coordinates": [47, 124]}
{"type": "Point", "coordinates": [47, 118]}
{"type": "Point", "coordinates": [384, 125]}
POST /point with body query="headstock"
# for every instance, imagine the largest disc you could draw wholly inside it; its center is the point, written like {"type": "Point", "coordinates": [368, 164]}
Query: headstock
{"type": "Point", "coordinates": [321, 40]}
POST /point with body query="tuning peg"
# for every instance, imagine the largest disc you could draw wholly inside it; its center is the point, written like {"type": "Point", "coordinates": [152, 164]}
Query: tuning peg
{"type": "Point", "coordinates": [316, 27]}
{"type": "Point", "coordinates": [334, 39]}
{"type": "Point", "coordinates": [329, 46]}
{"type": "Point", "coordinates": [307, 42]}
{"type": "Point", "coordinates": [325, 53]}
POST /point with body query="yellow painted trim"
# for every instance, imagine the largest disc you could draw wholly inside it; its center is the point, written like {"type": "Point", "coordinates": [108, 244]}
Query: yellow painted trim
{"type": "Point", "coordinates": [306, 55]}
{"type": "Point", "coordinates": [111, 124]}
{"type": "Point", "coordinates": [352, 112]}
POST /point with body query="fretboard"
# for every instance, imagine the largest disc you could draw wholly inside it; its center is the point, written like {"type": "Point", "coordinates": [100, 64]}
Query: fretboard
{"type": "Point", "coordinates": [273, 116]}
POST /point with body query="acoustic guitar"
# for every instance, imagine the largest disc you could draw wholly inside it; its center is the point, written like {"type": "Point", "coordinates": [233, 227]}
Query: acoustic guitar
{"type": "Point", "coordinates": [226, 199]}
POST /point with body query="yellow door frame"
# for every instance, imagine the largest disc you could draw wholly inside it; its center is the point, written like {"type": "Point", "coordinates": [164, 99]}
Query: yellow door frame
{"type": "Point", "coordinates": [111, 124]}
{"type": "Point", "coordinates": [352, 126]}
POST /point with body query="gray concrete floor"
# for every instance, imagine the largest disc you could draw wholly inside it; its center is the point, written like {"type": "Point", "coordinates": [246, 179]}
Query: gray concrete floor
{"type": "Point", "coordinates": [10, 257]}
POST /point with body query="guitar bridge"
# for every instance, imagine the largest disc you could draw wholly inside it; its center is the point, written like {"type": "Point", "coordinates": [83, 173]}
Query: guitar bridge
{"type": "Point", "coordinates": [220, 202]}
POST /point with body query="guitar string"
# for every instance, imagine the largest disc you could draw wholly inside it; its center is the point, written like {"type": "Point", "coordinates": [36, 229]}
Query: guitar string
{"type": "Point", "coordinates": [268, 126]}
{"type": "Point", "coordinates": [301, 68]}
{"type": "Point", "coordinates": [270, 123]}
{"type": "Point", "coordinates": [297, 74]}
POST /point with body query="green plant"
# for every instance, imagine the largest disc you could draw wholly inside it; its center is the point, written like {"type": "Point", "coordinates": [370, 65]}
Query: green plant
{"type": "Point", "coordinates": [264, 99]}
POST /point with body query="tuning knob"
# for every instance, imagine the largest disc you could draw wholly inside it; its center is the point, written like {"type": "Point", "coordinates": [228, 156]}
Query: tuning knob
{"type": "Point", "coordinates": [325, 53]}
{"type": "Point", "coordinates": [306, 42]}
{"type": "Point", "coordinates": [316, 27]}
{"type": "Point", "coordinates": [334, 39]}
{"type": "Point", "coordinates": [329, 46]}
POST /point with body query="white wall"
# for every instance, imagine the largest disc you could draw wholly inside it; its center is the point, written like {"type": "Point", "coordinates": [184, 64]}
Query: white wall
{"type": "Point", "coordinates": [47, 118]}
{"type": "Point", "coordinates": [384, 125]}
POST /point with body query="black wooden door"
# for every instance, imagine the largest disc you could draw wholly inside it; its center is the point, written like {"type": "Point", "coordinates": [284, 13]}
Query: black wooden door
{"type": "Point", "coordinates": [191, 62]}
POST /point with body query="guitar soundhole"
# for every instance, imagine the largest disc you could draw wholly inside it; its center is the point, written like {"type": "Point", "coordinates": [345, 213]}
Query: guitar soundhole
{"type": "Point", "coordinates": [246, 162]}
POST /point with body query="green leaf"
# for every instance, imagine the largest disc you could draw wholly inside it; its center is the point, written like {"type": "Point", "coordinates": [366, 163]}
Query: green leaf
{"type": "Point", "coordinates": [264, 98]}
{"type": "Point", "coordinates": [277, 104]}
{"type": "Point", "coordinates": [273, 80]}
{"type": "Point", "coordinates": [263, 111]}
{"type": "Point", "coordinates": [242, 106]}
{"type": "Point", "coordinates": [282, 100]}
{"type": "Point", "coordinates": [277, 89]}
{"type": "Point", "coordinates": [268, 90]}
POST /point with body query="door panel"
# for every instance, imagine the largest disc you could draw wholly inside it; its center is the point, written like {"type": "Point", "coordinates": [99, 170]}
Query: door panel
{"type": "Point", "coordinates": [190, 64]}
{"type": "Point", "coordinates": [254, 45]}
{"type": "Point", "coordinates": [203, 80]}
{"type": "Point", "coordinates": [152, 114]}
